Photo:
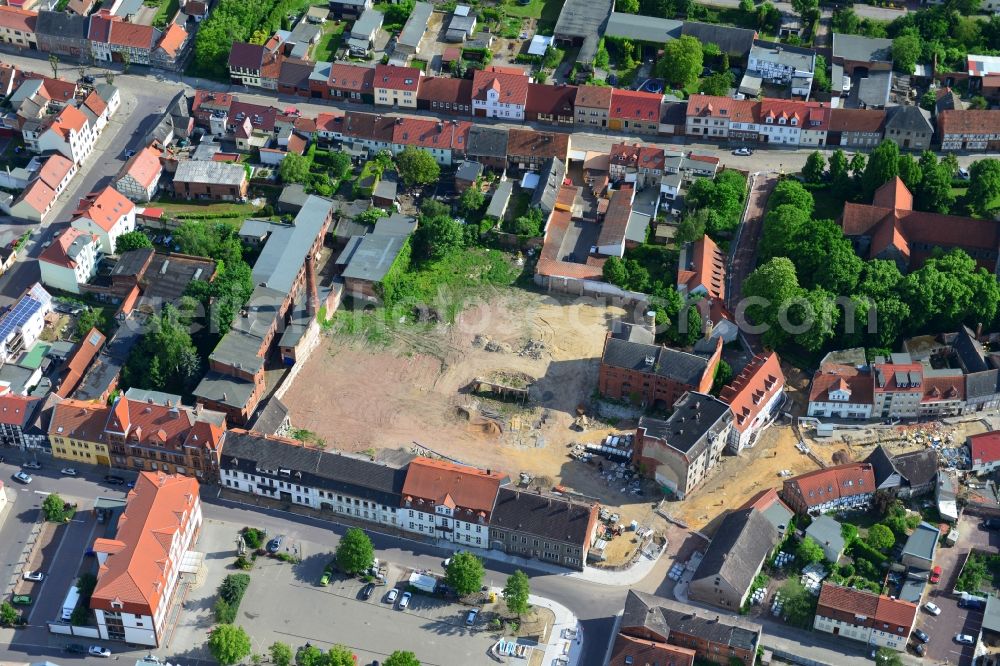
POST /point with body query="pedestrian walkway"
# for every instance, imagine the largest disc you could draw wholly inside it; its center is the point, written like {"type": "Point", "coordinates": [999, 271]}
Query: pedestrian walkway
{"type": "Point", "coordinates": [566, 639]}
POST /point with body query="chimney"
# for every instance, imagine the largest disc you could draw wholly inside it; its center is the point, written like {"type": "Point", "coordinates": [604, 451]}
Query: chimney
{"type": "Point", "coordinates": [979, 330]}
{"type": "Point", "coordinates": [709, 327]}
{"type": "Point", "coordinates": [651, 320]}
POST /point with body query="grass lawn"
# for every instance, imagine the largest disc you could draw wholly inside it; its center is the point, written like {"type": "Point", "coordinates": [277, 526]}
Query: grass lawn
{"type": "Point", "coordinates": [179, 206]}
{"type": "Point", "coordinates": [550, 14]}
{"type": "Point", "coordinates": [533, 9]}
{"type": "Point", "coordinates": [165, 12]}
{"type": "Point", "coordinates": [419, 64]}
{"type": "Point", "coordinates": [329, 42]}
{"type": "Point", "coordinates": [511, 28]}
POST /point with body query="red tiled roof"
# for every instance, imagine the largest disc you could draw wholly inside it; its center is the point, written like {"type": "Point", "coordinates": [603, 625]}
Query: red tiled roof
{"type": "Point", "coordinates": [100, 27]}
{"type": "Point", "coordinates": [764, 499]}
{"type": "Point", "coordinates": [451, 54]}
{"type": "Point", "coordinates": [540, 145]}
{"type": "Point", "coordinates": [173, 39]}
{"type": "Point", "coordinates": [95, 104]}
{"type": "Point", "coordinates": [513, 88]}
{"type": "Point", "coordinates": [305, 124]}
{"type": "Point", "coordinates": [616, 219]}
{"type": "Point", "coordinates": [471, 493]}
{"type": "Point", "coordinates": [866, 609]}
{"type": "Point", "coordinates": [79, 360]}
{"type": "Point", "coordinates": [888, 372]}
{"type": "Point", "coordinates": [133, 35]}
{"type": "Point", "coordinates": [144, 166]}
{"type": "Point", "coordinates": [246, 56]}
{"type": "Point", "coordinates": [79, 419]}
{"type": "Point", "coordinates": [13, 18]}
{"type": "Point", "coordinates": [708, 269]}
{"type": "Point", "coordinates": [15, 409]}
{"type": "Point", "coordinates": [969, 121]}
{"type": "Point", "coordinates": [261, 117]}
{"type": "Point", "coordinates": [651, 157]}
{"type": "Point", "coordinates": [753, 388]}
{"type": "Point", "coordinates": [624, 154]}
{"type": "Point", "coordinates": [54, 169]}
{"type": "Point", "coordinates": [944, 389]}
{"type": "Point", "coordinates": [832, 377]}
{"type": "Point", "coordinates": [726, 108]}
{"type": "Point", "coordinates": [422, 133]}
{"type": "Point", "coordinates": [81, 7]}
{"type": "Point", "coordinates": [297, 144]}
{"type": "Point", "coordinates": [985, 447]}
{"type": "Point", "coordinates": [832, 483]}
{"type": "Point", "coordinates": [550, 100]}
{"type": "Point", "coordinates": [211, 100]}
{"type": "Point", "coordinates": [351, 78]}
{"type": "Point", "coordinates": [69, 119]}
{"type": "Point", "coordinates": [460, 136]}
{"type": "Point", "coordinates": [445, 90]}
{"type": "Point", "coordinates": [330, 122]}
{"type": "Point", "coordinates": [38, 195]}
{"type": "Point", "coordinates": [856, 120]}
{"type": "Point", "coordinates": [56, 253]}
{"type": "Point", "coordinates": [635, 105]}
{"type": "Point", "coordinates": [138, 564]}
{"type": "Point", "coordinates": [893, 194]}
{"type": "Point", "coordinates": [550, 262]}
{"type": "Point", "coordinates": [847, 600]}
{"type": "Point", "coordinates": [629, 651]}
{"type": "Point", "coordinates": [105, 208]}
{"type": "Point", "coordinates": [594, 97]}
{"type": "Point", "coordinates": [397, 78]}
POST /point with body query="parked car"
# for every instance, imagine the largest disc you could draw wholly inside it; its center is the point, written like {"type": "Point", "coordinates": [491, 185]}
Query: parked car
{"type": "Point", "coordinates": [274, 545]}
{"type": "Point", "coordinates": [114, 480]}
{"type": "Point", "coordinates": [21, 600]}
{"type": "Point", "coordinates": [98, 651]}
{"type": "Point", "coordinates": [990, 524]}
{"type": "Point", "coordinates": [325, 578]}
{"type": "Point", "coordinates": [22, 477]}
{"type": "Point", "coordinates": [965, 639]}
{"type": "Point", "coordinates": [34, 575]}
{"type": "Point", "coordinates": [32, 465]}
{"type": "Point", "coordinates": [743, 152]}
{"type": "Point", "coordinates": [932, 608]}
{"type": "Point", "coordinates": [470, 618]}
{"type": "Point", "coordinates": [404, 600]}
{"type": "Point", "coordinates": [366, 591]}
{"type": "Point", "coordinates": [129, 153]}
{"type": "Point", "coordinates": [921, 635]}
{"type": "Point", "coordinates": [68, 471]}
{"type": "Point", "coordinates": [963, 173]}
{"type": "Point", "coordinates": [76, 648]}
{"type": "Point", "coordinates": [920, 649]}
{"type": "Point", "coordinates": [971, 602]}
{"type": "Point", "coordinates": [390, 598]}
{"type": "Point", "coordinates": [936, 574]}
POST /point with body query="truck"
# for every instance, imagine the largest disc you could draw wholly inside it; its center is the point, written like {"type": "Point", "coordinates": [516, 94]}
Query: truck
{"type": "Point", "coordinates": [70, 602]}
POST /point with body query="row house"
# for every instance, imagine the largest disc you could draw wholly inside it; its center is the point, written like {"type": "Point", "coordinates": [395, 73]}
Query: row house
{"type": "Point", "coordinates": [17, 27]}
{"type": "Point", "coordinates": [172, 49]}
{"type": "Point", "coordinates": [874, 619]}
{"type": "Point", "coordinates": [257, 65]}
{"type": "Point", "coordinates": [984, 452]}
{"type": "Point", "coordinates": [37, 200]}
{"type": "Point", "coordinates": [550, 104]}
{"type": "Point", "coordinates": [444, 500]}
{"type": "Point", "coordinates": [285, 470]}
{"type": "Point", "coordinates": [488, 146]}
{"type": "Point", "coordinates": [632, 163]}
{"type": "Point", "coordinates": [442, 139]}
{"type": "Point", "coordinates": [546, 527]}
{"type": "Point", "coordinates": [841, 391]}
{"type": "Point", "coordinates": [17, 413]}
{"type": "Point", "coordinates": [293, 77]}
{"type": "Point", "coordinates": [68, 133]}
{"type": "Point", "coordinates": [969, 129]}
{"type": "Point", "coordinates": [107, 214]}
{"type": "Point", "coordinates": [710, 117]}
{"type": "Point", "coordinates": [593, 106]}
{"type": "Point", "coordinates": [139, 567]}
{"type": "Point", "coordinates": [500, 92]}
{"type": "Point", "coordinates": [330, 126]}
{"type": "Point", "coordinates": [634, 111]}
{"type": "Point", "coordinates": [71, 260]}
{"type": "Point", "coordinates": [349, 83]}
{"type": "Point", "coordinates": [784, 65]}
{"type": "Point", "coordinates": [909, 127]}
{"type": "Point", "coordinates": [207, 106]}
{"type": "Point", "coordinates": [370, 131]}
{"type": "Point", "coordinates": [530, 150]}
{"type": "Point", "coordinates": [215, 181]}
{"type": "Point", "coordinates": [396, 86]}
{"type": "Point", "coordinates": [63, 33]}
{"type": "Point", "coordinates": [855, 128]}
{"type": "Point", "coordinates": [844, 487]}
{"type": "Point", "coordinates": [680, 452]}
{"type": "Point", "coordinates": [115, 40]}
{"type": "Point", "coordinates": [754, 397]}
{"type": "Point", "coordinates": [445, 95]}
{"type": "Point", "coordinates": [139, 177]}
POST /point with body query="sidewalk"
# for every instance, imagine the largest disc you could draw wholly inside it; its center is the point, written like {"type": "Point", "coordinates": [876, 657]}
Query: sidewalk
{"type": "Point", "coordinates": [566, 639]}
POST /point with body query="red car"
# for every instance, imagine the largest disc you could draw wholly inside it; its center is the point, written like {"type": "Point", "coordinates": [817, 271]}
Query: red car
{"type": "Point", "coordinates": [935, 574]}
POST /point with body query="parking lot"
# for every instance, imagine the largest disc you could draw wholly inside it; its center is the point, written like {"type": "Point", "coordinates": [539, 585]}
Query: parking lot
{"type": "Point", "coordinates": [954, 620]}
{"type": "Point", "coordinates": [286, 603]}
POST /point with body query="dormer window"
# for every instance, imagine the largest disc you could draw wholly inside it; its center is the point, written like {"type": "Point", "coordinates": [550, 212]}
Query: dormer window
{"type": "Point", "coordinates": [769, 120]}
{"type": "Point", "coordinates": [781, 121]}
{"type": "Point", "coordinates": [795, 121]}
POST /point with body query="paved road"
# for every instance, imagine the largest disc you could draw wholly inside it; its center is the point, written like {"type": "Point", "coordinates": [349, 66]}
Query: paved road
{"type": "Point", "coordinates": [744, 256]}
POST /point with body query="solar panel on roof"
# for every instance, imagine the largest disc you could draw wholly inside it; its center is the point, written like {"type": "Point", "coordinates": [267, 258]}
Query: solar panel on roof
{"type": "Point", "coordinates": [94, 338]}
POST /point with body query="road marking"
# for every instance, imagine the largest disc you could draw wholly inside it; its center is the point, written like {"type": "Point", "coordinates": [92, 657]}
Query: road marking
{"type": "Point", "coordinates": [41, 492]}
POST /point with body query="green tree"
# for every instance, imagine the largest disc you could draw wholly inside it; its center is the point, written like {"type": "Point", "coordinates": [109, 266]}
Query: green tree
{"type": "Point", "coordinates": [783, 225]}
{"type": "Point", "coordinates": [723, 197]}
{"type": "Point", "coordinates": [799, 605]}
{"type": "Point", "coordinates": [857, 164]}
{"type": "Point", "coordinates": [355, 552]}
{"type": "Point", "coordinates": [691, 227]}
{"type": "Point", "coordinates": [516, 592]}
{"type": "Point", "coordinates": [845, 21]}
{"type": "Point", "coordinates": [849, 533]}
{"type": "Point", "coordinates": [838, 164]}
{"type": "Point", "coordinates": [934, 192]}
{"type": "Point", "coordinates": [682, 61]}
{"type": "Point", "coordinates": [949, 290]}
{"type": "Point", "coordinates": [399, 12]}
{"type": "Point", "coordinates": [880, 537]}
{"type": "Point", "coordinates": [717, 84]}
{"type": "Point", "coordinates": [294, 168]}
{"type": "Point", "coordinates": [815, 167]}
{"type": "Point", "coordinates": [824, 257]}
{"type": "Point", "coordinates": [165, 358]}
{"type": "Point", "coordinates": [883, 166]}
{"type": "Point", "coordinates": [309, 655]}
{"type": "Point", "coordinates": [928, 101]}
{"type": "Point", "coordinates": [628, 6]}
{"type": "Point", "coordinates": [54, 63]}
{"type": "Point", "coordinates": [601, 58]}
{"type": "Point", "coordinates": [614, 272]}
{"type": "Point", "coordinates": [984, 186]}
{"type": "Point", "coordinates": [436, 236]}
{"type": "Point", "coordinates": [465, 573]}
{"type": "Point", "coordinates": [229, 644]}
{"type": "Point", "coordinates": [887, 657]}
{"type": "Point", "coordinates": [776, 284]}
{"type": "Point", "coordinates": [747, 6]}
{"type": "Point", "coordinates": [723, 375]}
{"type": "Point", "coordinates": [340, 655]}
{"type": "Point", "coordinates": [906, 50]}
{"type": "Point", "coordinates": [88, 319]}
{"type": "Point", "coordinates": [910, 172]}
{"type": "Point", "coordinates": [790, 192]}
{"type": "Point", "coordinates": [805, 8]}
{"type": "Point", "coordinates": [339, 164]}
{"type": "Point", "coordinates": [404, 658]}
{"type": "Point", "coordinates": [8, 614]}
{"type": "Point", "coordinates": [281, 654]}
{"type": "Point", "coordinates": [132, 240]}
{"type": "Point", "coordinates": [768, 17]}
{"type": "Point", "coordinates": [417, 167]}
{"type": "Point", "coordinates": [821, 79]}
{"type": "Point", "coordinates": [52, 508]}
{"type": "Point", "coordinates": [530, 224]}
{"type": "Point", "coordinates": [471, 201]}
{"type": "Point", "coordinates": [809, 552]}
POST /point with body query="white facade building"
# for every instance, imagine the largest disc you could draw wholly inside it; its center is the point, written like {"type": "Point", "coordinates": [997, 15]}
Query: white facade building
{"type": "Point", "coordinates": [70, 261]}
{"type": "Point", "coordinates": [106, 214]}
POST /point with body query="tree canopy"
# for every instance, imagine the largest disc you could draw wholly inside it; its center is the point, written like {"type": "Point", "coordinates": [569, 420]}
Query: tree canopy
{"type": "Point", "coordinates": [809, 552]}
{"type": "Point", "coordinates": [723, 197]}
{"type": "Point", "coordinates": [52, 508]}
{"type": "Point", "coordinates": [355, 552]}
{"type": "Point", "coordinates": [294, 168]}
{"type": "Point", "coordinates": [132, 240]}
{"type": "Point", "coordinates": [906, 50]}
{"type": "Point", "coordinates": [281, 654]}
{"type": "Point", "coordinates": [417, 166]}
{"type": "Point", "coordinates": [883, 166]}
{"type": "Point", "coordinates": [814, 168]}
{"type": "Point", "coordinates": [401, 658]}
{"type": "Point", "coordinates": [984, 186]}
{"type": "Point", "coordinates": [229, 644]}
{"type": "Point", "coordinates": [465, 573]}
{"type": "Point", "coordinates": [165, 358]}
{"type": "Point", "coordinates": [682, 61]}
{"type": "Point", "coordinates": [436, 236]}
{"type": "Point", "coordinates": [880, 537]}
{"type": "Point", "coordinates": [516, 592]}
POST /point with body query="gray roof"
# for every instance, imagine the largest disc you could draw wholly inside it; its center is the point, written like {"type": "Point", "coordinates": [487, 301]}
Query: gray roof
{"type": "Point", "coordinates": [293, 195]}
{"type": "Point", "coordinates": [225, 389]}
{"type": "Point", "coordinates": [368, 24]}
{"type": "Point", "coordinates": [500, 199]}
{"type": "Point", "coordinates": [337, 472]}
{"type": "Point", "coordinates": [385, 189]}
{"type": "Point", "coordinates": [540, 515]}
{"type": "Point", "coordinates": [369, 257]}
{"type": "Point", "coordinates": [61, 24]}
{"type": "Point", "coordinates": [624, 330]}
{"type": "Point", "coordinates": [469, 171]}
{"type": "Point", "coordinates": [908, 119]}
{"type": "Point", "coordinates": [549, 183]}
{"type": "Point", "coordinates": [643, 28]}
{"type": "Point", "coordinates": [734, 41]}
{"type": "Point", "coordinates": [286, 249]}
{"type": "Point", "coordinates": [241, 346]}
{"type": "Point", "coordinates": [415, 26]}
{"type": "Point", "coordinates": [154, 397]}
{"type": "Point", "coordinates": [862, 49]}
{"type": "Point", "coordinates": [582, 18]}
{"type": "Point", "coordinates": [991, 617]}
{"type": "Point", "coordinates": [795, 57]}
{"type": "Point", "coordinates": [683, 367]}
{"type": "Point", "coordinates": [970, 351]}
{"type": "Point", "coordinates": [824, 530]}
{"type": "Point", "coordinates": [105, 370]}
{"type": "Point", "coordinates": [923, 542]}
{"type": "Point", "coordinates": [487, 141]}
{"type": "Point", "coordinates": [396, 224]}
{"type": "Point", "coordinates": [696, 418]}
{"type": "Point", "coordinates": [657, 614]}
{"type": "Point", "coordinates": [638, 223]}
{"type": "Point", "coordinates": [271, 417]}
{"type": "Point", "coordinates": [298, 322]}
{"type": "Point", "coordinates": [462, 23]}
{"type": "Point", "coordinates": [306, 32]}
{"type": "Point", "coordinates": [917, 467]}
{"type": "Point", "coordinates": [743, 541]}
{"type": "Point", "coordinates": [211, 173]}
{"type": "Point", "coordinates": [873, 90]}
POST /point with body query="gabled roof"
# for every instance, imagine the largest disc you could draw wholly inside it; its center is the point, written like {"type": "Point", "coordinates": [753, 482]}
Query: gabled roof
{"type": "Point", "coordinates": [645, 613]}
{"type": "Point", "coordinates": [635, 105]}
{"type": "Point", "coordinates": [70, 119]}
{"type": "Point", "coordinates": [731, 40]}
{"type": "Point", "coordinates": [512, 88]}
{"type": "Point", "coordinates": [397, 78]}
{"type": "Point", "coordinates": [173, 39]}
{"type": "Point", "coordinates": [984, 448]}
{"type": "Point", "coordinates": [471, 493]}
{"type": "Point", "coordinates": [79, 360]}
{"type": "Point", "coordinates": [445, 90]}
{"type": "Point", "coordinates": [135, 570]}
{"type": "Point", "coordinates": [352, 78]}
{"type": "Point", "coordinates": [54, 170]}
{"type": "Point", "coordinates": [705, 267]}
{"type": "Point", "coordinates": [546, 516]}
{"type": "Point", "coordinates": [834, 377]}
{"type": "Point", "coordinates": [105, 208]}
{"type": "Point", "coordinates": [862, 49]}
{"type": "Point", "coordinates": [856, 120]}
{"type": "Point", "coordinates": [753, 389]}
{"type": "Point", "coordinates": [863, 608]}
{"type": "Point", "coordinates": [826, 485]}
{"type": "Point", "coordinates": [594, 97]}
{"type": "Point", "coordinates": [616, 219]}
{"type": "Point", "coordinates": [38, 195]}
{"type": "Point", "coordinates": [539, 145]}
{"type": "Point", "coordinates": [247, 56]}
{"type": "Point", "coordinates": [969, 121]}
{"type": "Point", "coordinates": [768, 503]}
{"type": "Point", "coordinates": [743, 541]}
{"type": "Point", "coordinates": [144, 167]}
{"type": "Point", "coordinates": [629, 651]}
{"type": "Point", "coordinates": [908, 118]}
{"type": "Point", "coordinates": [66, 247]}
{"type": "Point", "coordinates": [550, 100]}
{"type": "Point", "coordinates": [61, 24]}
{"type": "Point", "coordinates": [487, 141]}
{"type": "Point", "coordinates": [15, 410]}
{"type": "Point", "coordinates": [14, 18]}
{"type": "Point", "coordinates": [422, 133]}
